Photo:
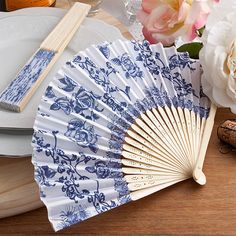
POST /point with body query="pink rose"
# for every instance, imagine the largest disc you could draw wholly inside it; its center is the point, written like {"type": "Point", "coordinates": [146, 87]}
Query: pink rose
{"type": "Point", "coordinates": [165, 20]}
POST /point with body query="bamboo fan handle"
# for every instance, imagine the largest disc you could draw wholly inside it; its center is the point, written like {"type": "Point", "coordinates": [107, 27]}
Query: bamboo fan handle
{"type": "Point", "coordinates": [61, 35]}
{"type": "Point", "coordinates": [198, 175]}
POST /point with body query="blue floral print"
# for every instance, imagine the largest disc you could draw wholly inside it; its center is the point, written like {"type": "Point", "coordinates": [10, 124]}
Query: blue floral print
{"type": "Point", "coordinates": [93, 102]}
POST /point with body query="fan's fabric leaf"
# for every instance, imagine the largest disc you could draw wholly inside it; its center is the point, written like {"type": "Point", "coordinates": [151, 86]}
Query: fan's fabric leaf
{"type": "Point", "coordinates": [84, 117]}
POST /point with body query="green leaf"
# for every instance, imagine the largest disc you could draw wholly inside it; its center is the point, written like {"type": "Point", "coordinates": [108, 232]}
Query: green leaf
{"type": "Point", "coordinates": [192, 48]}
{"type": "Point", "coordinates": [200, 31]}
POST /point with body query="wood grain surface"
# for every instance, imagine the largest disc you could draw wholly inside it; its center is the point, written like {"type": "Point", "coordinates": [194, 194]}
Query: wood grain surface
{"type": "Point", "coordinates": [183, 209]}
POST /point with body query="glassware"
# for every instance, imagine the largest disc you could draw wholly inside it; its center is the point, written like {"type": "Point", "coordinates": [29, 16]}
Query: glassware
{"type": "Point", "coordinates": [134, 27]}
{"type": "Point", "coordinates": [95, 5]}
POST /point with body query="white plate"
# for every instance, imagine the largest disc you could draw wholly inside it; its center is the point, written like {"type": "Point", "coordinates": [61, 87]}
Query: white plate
{"type": "Point", "coordinates": [21, 33]}
{"type": "Point", "coordinates": [15, 146]}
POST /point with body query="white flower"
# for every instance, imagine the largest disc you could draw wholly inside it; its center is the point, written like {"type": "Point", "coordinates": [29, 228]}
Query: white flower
{"type": "Point", "coordinates": [218, 56]}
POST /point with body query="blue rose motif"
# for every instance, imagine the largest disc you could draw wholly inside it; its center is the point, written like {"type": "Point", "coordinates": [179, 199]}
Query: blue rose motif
{"type": "Point", "coordinates": [105, 169]}
{"type": "Point", "coordinates": [126, 63]}
{"type": "Point", "coordinates": [102, 170]}
{"type": "Point", "coordinates": [84, 100]}
{"type": "Point", "coordinates": [132, 70]}
{"type": "Point", "coordinates": [64, 104]}
{"type": "Point", "coordinates": [86, 137]}
{"type": "Point", "coordinates": [73, 126]}
{"type": "Point", "coordinates": [82, 134]}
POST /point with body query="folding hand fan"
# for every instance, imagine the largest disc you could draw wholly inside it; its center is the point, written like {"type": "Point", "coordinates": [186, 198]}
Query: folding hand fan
{"type": "Point", "coordinates": [119, 121]}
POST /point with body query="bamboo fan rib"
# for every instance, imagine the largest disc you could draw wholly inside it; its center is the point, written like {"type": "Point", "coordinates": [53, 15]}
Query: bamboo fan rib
{"type": "Point", "coordinates": [119, 121]}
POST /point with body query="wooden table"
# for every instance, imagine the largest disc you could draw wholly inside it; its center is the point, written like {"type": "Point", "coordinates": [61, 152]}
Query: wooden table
{"type": "Point", "coordinates": [183, 209]}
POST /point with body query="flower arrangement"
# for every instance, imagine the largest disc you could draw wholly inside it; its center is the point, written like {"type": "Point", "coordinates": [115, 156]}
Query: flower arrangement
{"type": "Point", "coordinates": [165, 20]}
{"type": "Point", "coordinates": [219, 40]}
{"type": "Point", "coordinates": [206, 30]}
